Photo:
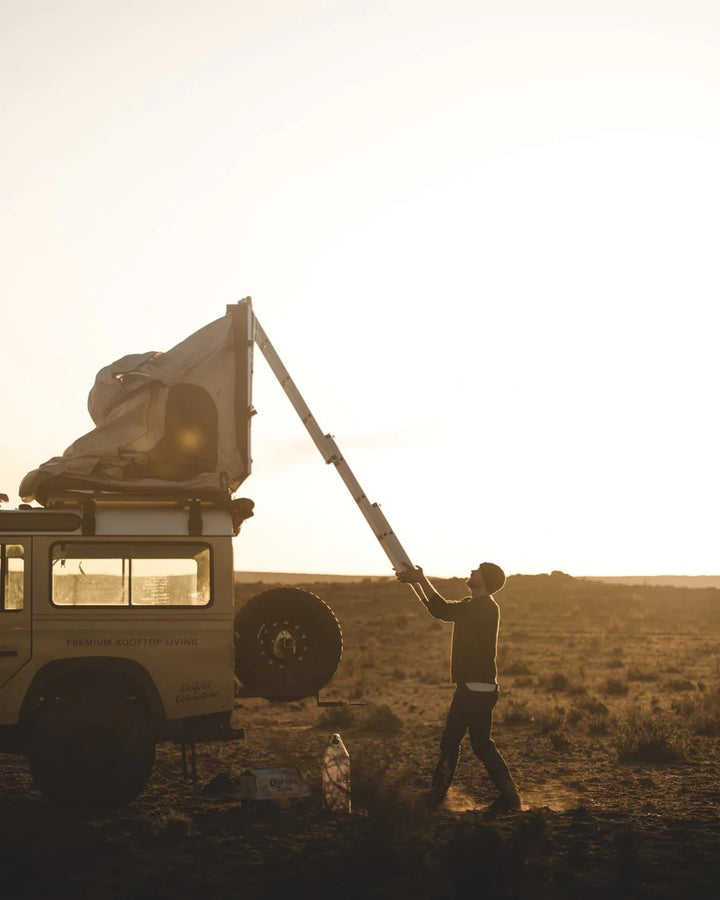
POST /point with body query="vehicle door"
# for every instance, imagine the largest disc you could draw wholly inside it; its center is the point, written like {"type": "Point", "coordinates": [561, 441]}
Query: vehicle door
{"type": "Point", "coordinates": [15, 630]}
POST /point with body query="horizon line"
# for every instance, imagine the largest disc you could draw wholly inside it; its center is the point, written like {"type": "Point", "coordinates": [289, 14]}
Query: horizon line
{"type": "Point", "coordinates": [360, 577]}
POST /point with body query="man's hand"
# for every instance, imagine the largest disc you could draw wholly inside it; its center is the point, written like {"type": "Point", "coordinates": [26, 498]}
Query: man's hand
{"type": "Point", "coordinates": [418, 582]}
{"type": "Point", "coordinates": [412, 576]}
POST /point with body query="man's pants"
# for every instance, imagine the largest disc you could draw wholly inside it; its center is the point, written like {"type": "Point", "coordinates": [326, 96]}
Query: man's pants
{"type": "Point", "coordinates": [471, 711]}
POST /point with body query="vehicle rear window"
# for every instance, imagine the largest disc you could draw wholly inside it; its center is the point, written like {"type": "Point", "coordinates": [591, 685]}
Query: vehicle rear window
{"type": "Point", "coordinates": [101, 574]}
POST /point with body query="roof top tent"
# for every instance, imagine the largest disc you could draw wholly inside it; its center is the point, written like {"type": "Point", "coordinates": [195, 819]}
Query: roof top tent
{"type": "Point", "coordinates": [175, 426]}
{"type": "Point", "coordinates": [172, 424]}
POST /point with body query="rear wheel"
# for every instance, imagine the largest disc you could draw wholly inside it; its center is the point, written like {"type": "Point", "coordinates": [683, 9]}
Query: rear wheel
{"type": "Point", "coordinates": [288, 644]}
{"type": "Point", "coordinates": [92, 750]}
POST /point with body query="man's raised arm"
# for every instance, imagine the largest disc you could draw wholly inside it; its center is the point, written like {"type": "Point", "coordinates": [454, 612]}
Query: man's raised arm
{"type": "Point", "coordinates": [435, 603]}
{"type": "Point", "coordinates": [419, 581]}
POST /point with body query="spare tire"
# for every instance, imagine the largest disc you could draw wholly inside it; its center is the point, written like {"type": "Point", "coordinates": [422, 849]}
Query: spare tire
{"type": "Point", "coordinates": [288, 644]}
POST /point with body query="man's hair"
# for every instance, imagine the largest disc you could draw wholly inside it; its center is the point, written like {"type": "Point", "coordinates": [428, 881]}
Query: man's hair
{"type": "Point", "coordinates": [493, 576]}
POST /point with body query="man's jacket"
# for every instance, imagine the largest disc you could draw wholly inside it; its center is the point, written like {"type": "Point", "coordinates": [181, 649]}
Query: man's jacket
{"type": "Point", "coordinates": [474, 642]}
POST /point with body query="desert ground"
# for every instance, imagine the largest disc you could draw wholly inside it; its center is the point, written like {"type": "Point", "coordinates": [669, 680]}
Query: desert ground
{"type": "Point", "coordinates": [609, 718]}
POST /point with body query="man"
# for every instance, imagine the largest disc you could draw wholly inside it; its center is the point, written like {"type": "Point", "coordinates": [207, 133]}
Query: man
{"type": "Point", "coordinates": [473, 669]}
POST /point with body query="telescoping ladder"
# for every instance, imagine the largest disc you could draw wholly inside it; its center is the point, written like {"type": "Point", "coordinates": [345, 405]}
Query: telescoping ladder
{"type": "Point", "coordinates": [330, 451]}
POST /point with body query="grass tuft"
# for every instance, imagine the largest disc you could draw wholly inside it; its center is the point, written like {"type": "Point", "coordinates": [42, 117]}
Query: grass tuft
{"type": "Point", "coordinates": [700, 712]}
{"type": "Point", "coordinates": [174, 826]}
{"type": "Point", "coordinates": [648, 737]}
{"type": "Point", "coordinates": [678, 684]}
{"type": "Point", "coordinates": [515, 712]}
{"type": "Point", "coordinates": [616, 687]}
{"type": "Point", "coordinates": [549, 718]}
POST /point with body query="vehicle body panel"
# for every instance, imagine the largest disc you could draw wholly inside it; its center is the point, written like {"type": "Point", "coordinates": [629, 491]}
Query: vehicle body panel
{"type": "Point", "coordinates": [186, 650]}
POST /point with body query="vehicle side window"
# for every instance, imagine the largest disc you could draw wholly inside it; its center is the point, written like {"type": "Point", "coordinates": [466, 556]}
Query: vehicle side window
{"type": "Point", "coordinates": [99, 574]}
{"type": "Point", "coordinates": [12, 571]}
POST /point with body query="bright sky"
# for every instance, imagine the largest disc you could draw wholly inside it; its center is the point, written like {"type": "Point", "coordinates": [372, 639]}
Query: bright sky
{"type": "Point", "coordinates": [482, 236]}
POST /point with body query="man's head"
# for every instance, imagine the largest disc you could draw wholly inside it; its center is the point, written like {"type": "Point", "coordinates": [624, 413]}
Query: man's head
{"type": "Point", "coordinates": [487, 578]}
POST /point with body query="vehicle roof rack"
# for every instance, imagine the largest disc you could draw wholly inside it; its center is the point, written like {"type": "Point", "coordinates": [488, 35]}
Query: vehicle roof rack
{"type": "Point", "coordinates": [67, 510]}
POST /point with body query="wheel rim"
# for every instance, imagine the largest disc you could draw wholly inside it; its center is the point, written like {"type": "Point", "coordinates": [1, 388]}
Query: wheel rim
{"type": "Point", "coordinates": [283, 643]}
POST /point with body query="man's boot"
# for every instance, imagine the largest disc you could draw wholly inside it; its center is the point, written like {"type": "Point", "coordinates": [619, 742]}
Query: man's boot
{"type": "Point", "coordinates": [442, 779]}
{"type": "Point", "coordinates": [509, 799]}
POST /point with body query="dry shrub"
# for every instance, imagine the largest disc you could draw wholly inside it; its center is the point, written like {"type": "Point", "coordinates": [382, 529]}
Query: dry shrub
{"type": "Point", "coordinates": [515, 712]}
{"type": "Point", "coordinates": [700, 712]}
{"type": "Point", "coordinates": [598, 725]}
{"type": "Point", "coordinates": [532, 845]}
{"type": "Point", "coordinates": [616, 687]}
{"type": "Point", "coordinates": [428, 676]}
{"type": "Point", "coordinates": [560, 683]}
{"type": "Point", "coordinates": [589, 710]}
{"type": "Point", "coordinates": [592, 705]}
{"type": "Point", "coordinates": [637, 673]}
{"type": "Point", "coordinates": [559, 741]}
{"type": "Point", "coordinates": [398, 833]}
{"type": "Point", "coordinates": [549, 718]}
{"type": "Point", "coordinates": [678, 684]}
{"type": "Point", "coordinates": [174, 826]}
{"type": "Point", "coordinates": [575, 716]}
{"type": "Point", "coordinates": [514, 667]}
{"type": "Point", "coordinates": [343, 715]}
{"type": "Point", "coordinates": [389, 836]}
{"type": "Point", "coordinates": [482, 861]}
{"type": "Point", "coordinates": [557, 682]}
{"type": "Point", "coordinates": [378, 718]}
{"type": "Point", "coordinates": [381, 719]}
{"type": "Point", "coordinates": [381, 781]}
{"type": "Point", "coordinates": [648, 737]}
